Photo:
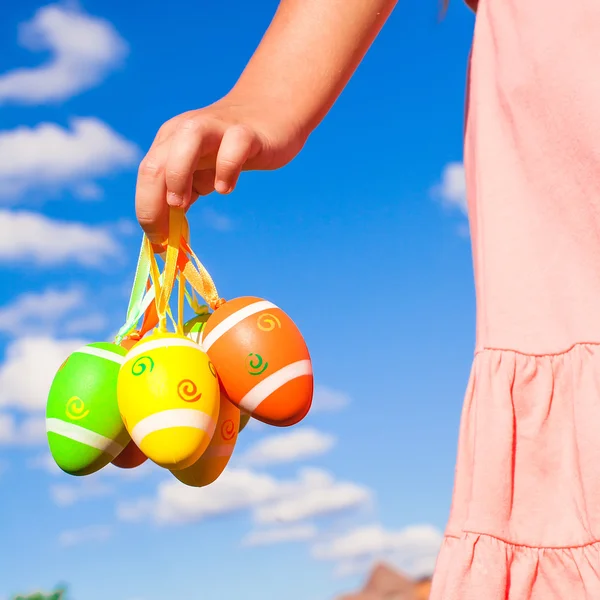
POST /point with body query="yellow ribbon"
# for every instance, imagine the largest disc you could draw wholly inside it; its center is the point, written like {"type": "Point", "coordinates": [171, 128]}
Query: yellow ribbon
{"type": "Point", "coordinates": [178, 265]}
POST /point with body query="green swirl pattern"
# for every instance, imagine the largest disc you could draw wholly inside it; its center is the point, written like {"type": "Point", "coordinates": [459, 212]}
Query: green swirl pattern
{"type": "Point", "coordinates": [141, 365]}
{"type": "Point", "coordinates": [255, 364]}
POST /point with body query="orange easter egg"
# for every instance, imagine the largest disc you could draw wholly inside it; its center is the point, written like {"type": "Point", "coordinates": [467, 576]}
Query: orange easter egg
{"type": "Point", "coordinates": [131, 340]}
{"type": "Point", "coordinates": [262, 360]}
{"type": "Point", "coordinates": [130, 458]}
{"type": "Point", "coordinates": [212, 463]}
{"type": "Point", "coordinates": [244, 420]}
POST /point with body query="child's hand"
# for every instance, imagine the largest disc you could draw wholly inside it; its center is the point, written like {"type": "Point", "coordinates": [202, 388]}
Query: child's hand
{"type": "Point", "coordinates": [303, 62]}
{"type": "Point", "coordinates": [204, 150]}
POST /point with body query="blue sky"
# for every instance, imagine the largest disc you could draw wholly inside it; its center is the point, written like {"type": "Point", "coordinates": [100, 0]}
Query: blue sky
{"type": "Point", "coordinates": [362, 240]}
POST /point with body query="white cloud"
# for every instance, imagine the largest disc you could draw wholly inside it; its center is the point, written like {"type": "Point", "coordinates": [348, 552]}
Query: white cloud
{"type": "Point", "coordinates": [313, 493]}
{"type": "Point", "coordinates": [235, 489]}
{"type": "Point", "coordinates": [279, 535]}
{"type": "Point", "coordinates": [85, 535]}
{"type": "Point", "coordinates": [413, 549]}
{"type": "Point", "coordinates": [69, 494]}
{"type": "Point", "coordinates": [42, 241]}
{"type": "Point", "coordinates": [88, 191]}
{"type": "Point", "coordinates": [318, 495]}
{"type": "Point", "coordinates": [328, 399]}
{"type": "Point", "coordinates": [256, 425]}
{"type": "Point", "coordinates": [291, 446]}
{"type": "Point", "coordinates": [51, 312]}
{"type": "Point", "coordinates": [44, 462]}
{"type": "Point", "coordinates": [92, 322]}
{"type": "Point", "coordinates": [127, 227]}
{"type": "Point", "coordinates": [51, 158]}
{"type": "Point", "coordinates": [216, 220]}
{"type": "Point", "coordinates": [29, 367]}
{"type": "Point", "coordinates": [30, 431]}
{"type": "Point", "coordinates": [39, 312]}
{"type": "Point", "coordinates": [351, 568]}
{"type": "Point", "coordinates": [452, 190]}
{"type": "Point", "coordinates": [83, 50]}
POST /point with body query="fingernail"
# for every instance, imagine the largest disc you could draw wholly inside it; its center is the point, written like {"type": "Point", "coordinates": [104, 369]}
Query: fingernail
{"type": "Point", "coordinates": [222, 187]}
{"type": "Point", "coordinates": [174, 199]}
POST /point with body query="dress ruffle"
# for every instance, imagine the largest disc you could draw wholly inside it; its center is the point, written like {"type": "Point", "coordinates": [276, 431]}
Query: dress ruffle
{"type": "Point", "coordinates": [525, 518]}
{"type": "Point", "coordinates": [480, 567]}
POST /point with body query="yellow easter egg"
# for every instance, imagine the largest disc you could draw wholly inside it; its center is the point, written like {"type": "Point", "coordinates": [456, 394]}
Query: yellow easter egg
{"type": "Point", "coordinates": [214, 460]}
{"type": "Point", "coordinates": [168, 396]}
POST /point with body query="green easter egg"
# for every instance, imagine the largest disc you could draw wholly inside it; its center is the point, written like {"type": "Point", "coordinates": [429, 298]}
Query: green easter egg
{"type": "Point", "coordinates": [194, 327]}
{"type": "Point", "coordinates": [84, 425]}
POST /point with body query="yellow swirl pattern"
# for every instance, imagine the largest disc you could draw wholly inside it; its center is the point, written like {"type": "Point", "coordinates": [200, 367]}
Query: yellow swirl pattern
{"type": "Point", "coordinates": [268, 322]}
{"type": "Point", "coordinates": [75, 409]}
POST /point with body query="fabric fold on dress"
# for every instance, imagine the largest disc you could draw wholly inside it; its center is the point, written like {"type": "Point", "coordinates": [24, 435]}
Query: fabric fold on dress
{"type": "Point", "coordinates": [525, 518]}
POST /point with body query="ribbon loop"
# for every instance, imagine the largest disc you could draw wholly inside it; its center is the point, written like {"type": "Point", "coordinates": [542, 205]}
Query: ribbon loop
{"type": "Point", "coordinates": [152, 290]}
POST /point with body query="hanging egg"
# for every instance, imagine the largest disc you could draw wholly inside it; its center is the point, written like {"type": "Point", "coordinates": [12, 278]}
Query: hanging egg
{"type": "Point", "coordinates": [194, 327]}
{"type": "Point", "coordinates": [215, 458]}
{"type": "Point", "coordinates": [262, 360]}
{"type": "Point", "coordinates": [130, 458]}
{"type": "Point", "coordinates": [83, 423]}
{"type": "Point", "coordinates": [244, 418]}
{"type": "Point", "coordinates": [130, 340]}
{"type": "Point", "coordinates": [169, 399]}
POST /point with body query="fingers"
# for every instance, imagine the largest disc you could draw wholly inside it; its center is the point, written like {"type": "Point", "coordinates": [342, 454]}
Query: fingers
{"type": "Point", "coordinates": [150, 207]}
{"type": "Point", "coordinates": [191, 156]}
{"type": "Point", "coordinates": [203, 183]}
{"type": "Point", "coordinates": [239, 143]}
{"type": "Point", "coordinates": [195, 137]}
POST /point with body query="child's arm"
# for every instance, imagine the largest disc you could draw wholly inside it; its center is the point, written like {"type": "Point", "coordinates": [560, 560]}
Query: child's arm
{"type": "Point", "coordinates": [305, 59]}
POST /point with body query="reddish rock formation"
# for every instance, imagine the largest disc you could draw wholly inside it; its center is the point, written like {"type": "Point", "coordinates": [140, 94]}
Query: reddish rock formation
{"type": "Point", "coordinates": [386, 583]}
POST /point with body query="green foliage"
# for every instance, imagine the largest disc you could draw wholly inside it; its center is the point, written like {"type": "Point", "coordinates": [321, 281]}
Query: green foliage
{"type": "Point", "coordinates": [57, 595]}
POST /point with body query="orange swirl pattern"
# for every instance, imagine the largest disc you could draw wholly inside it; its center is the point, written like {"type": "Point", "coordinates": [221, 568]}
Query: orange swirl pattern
{"type": "Point", "coordinates": [188, 391]}
{"type": "Point", "coordinates": [228, 430]}
{"type": "Point", "coordinates": [212, 369]}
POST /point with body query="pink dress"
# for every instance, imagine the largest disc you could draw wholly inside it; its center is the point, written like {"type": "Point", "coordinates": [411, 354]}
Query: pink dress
{"type": "Point", "coordinates": [525, 518]}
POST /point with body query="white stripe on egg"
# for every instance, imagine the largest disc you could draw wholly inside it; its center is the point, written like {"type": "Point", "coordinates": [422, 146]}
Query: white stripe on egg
{"type": "Point", "coordinates": [168, 419]}
{"type": "Point", "coordinates": [221, 450]}
{"type": "Point", "coordinates": [101, 353]}
{"type": "Point", "coordinates": [84, 436]}
{"type": "Point", "coordinates": [232, 320]}
{"type": "Point", "coordinates": [251, 401]}
{"type": "Point", "coordinates": [143, 347]}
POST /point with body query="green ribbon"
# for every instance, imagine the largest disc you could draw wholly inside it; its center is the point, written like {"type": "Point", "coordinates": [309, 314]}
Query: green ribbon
{"type": "Point", "coordinates": [139, 299]}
